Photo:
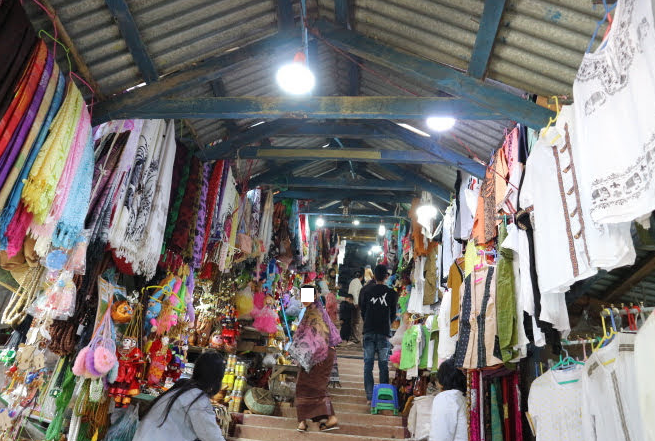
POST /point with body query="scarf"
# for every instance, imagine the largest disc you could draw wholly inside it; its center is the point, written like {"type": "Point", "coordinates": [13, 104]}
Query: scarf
{"type": "Point", "coordinates": [255, 197]}
{"type": "Point", "coordinates": [24, 95]}
{"type": "Point", "coordinates": [39, 191]}
{"type": "Point", "coordinates": [43, 233]}
{"type": "Point", "coordinates": [212, 198]}
{"type": "Point", "coordinates": [315, 335]}
{"type": "Point", "coordinates": [178, 185]}
{"type": "Point", "coordinates": [27, 122]}
{"type": "Point", "coordinates": [180, 237]}
{"type": "Point", "coordinates": [187, 253]}
{"type": "Point", "coordinates": [266, 225]}
{"type": "Point", "coordinates": [199, 238]}
{"type": "Point", "coordinates": [71, 222]}
{"type": "Point", "coordinates": [229, 200]}
{"type": "Point", "coordinates": [40, 122]}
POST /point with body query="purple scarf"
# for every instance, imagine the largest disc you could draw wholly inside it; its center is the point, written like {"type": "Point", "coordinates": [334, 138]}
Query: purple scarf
{"type": "Point", "coordinates": [315, 335]}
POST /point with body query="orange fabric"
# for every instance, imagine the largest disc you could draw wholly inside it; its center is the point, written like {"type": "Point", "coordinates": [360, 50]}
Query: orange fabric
{"type": "Point", "coordinates": [420, 249]}
{"type": "Point", "coordinates": [490, 201]}
{"type": "Point", "coordinates": [23, 98]}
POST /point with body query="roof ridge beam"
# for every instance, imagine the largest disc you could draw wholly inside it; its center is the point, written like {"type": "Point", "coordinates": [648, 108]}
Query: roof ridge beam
{"type": "Point", "coordinates": [485, 38]}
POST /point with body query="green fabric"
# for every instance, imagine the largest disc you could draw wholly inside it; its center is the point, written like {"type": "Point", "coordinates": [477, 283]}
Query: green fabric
{"type": "Point", "coordinates": [423, 361]}
{"type": "Point", "coordinates": [408, 352]}
{"type": "Point", "coordinates": [174, 210]}
{"type": "Point", "coordinates": [402, 304]}
{"type": "Point", "coordinates": [506, 300]}
{"type": "Point", "coordinates": [496, 422]}
{"type": "Point", "coordinates": [63, 399]}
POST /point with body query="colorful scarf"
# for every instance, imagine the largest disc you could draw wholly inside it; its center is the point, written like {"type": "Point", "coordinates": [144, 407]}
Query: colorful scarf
{"type": "Point", "coordinates": [23, 98]}
{"type": "Point", "coordinates": [315, 335]}
{"type": "Point", "coordinates": [14, 241]}
{"type": "Point", "coordinates": [42, 181]}
{"type": "Point", "coordinates": [266, 225]}
{"type": "Point", "coordinates": [178, 186]}
{"type": "Point", "coordinates": [199, 239]}
{"type": "Point", "coordinates": [71, 222]}
{"type": "Point", "coordinates": [19, 137]}
{"type": "Point", "coordinates": [180, 237]}
{"type": "Point", "coordinates": [212, 199]}
{"type": "Point", "coordinates": [195, 210]}
{"type": "Point", "coordinates": [39, 122]}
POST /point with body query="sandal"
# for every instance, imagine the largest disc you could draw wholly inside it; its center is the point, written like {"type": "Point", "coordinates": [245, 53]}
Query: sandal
{"type": "Point", "coordinates": [302, 427]}
{"type": "Point", "coordinates": [325, 428]}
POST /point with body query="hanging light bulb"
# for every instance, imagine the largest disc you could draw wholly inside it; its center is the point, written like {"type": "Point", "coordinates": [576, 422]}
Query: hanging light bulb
{"type": "Point", "coordinates": [295, 78]}
{"type": "Point", "coordinates": [382, 230]}
{"type": "Point", "coordinates": [320, 222]}
{"type": "Point", "coordinates": [425, 213]}
{"type": "Point", "coordinates": [440, 123]}
{"type": "Point", "coordinates": [356, 222]}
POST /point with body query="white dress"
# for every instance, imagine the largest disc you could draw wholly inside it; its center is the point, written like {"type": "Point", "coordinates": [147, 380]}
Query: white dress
{"type": "Point", "coordinates": [610, 407]}
{"type": "Point", "coordinates": [468, 205]}
{"type": "Point", "coordinates": [556, 408]}
{"type": "Point", "coordinates": [451, 248]}
{"type": "Point", "coordinates": [645, 361]}
{"type": "Point", "coordinates": [614, 95]}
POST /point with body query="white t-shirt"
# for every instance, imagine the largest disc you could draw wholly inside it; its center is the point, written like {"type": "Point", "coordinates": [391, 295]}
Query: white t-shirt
{"type": "Point", "coordinates": [354, 288]}
{"type": "Point", "coordinates": [468, 205]}
{"type": "Point", "coordinates": [448, 422]}
{"type": "Point", "coordinates": [556, 408]}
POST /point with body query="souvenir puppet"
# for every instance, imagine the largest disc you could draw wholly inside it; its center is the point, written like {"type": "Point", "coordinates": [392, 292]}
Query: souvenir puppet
{"type": "Point", "coordinates": [130, 362]}
{"type": "Point", "coordinates": [160, 355]}
{"type": "Point", "coordinates": [156, 299]}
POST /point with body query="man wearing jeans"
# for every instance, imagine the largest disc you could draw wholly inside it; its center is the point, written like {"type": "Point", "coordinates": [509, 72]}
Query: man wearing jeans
{"type": "Point", "coordinates": [377, 304]}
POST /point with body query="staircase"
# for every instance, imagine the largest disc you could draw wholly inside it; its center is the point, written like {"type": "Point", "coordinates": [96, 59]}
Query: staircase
{"type": "Point", "coordinates": [349, 401]}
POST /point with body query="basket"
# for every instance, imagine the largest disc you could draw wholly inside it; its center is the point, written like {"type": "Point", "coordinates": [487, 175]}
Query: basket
{"type": "Point", "coordinates": [260, 401]}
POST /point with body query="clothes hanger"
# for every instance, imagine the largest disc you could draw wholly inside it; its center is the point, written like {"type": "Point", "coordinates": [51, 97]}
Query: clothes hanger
{"type": "Point", "coordinates": [607, 17]}
{"type": "Point", "coordinates": [552, 120]}
{"type": "Point", "coordinates": [607, 335]}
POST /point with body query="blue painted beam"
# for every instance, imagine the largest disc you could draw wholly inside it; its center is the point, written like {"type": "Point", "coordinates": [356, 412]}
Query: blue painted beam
{"type": "Point", "coordinates": [436, 189]}
{"type": "Point", "coordinates": [437, 75]}
{"type": "Point", "coordinates": [202, 72]}
{"type": "Point", "coordinates": [484, 40]}
{"type": "Point", "coordinates": [345, 154]}
{"type": "Point", "coordinates": [285, 18]}
{"type": "Point", "coordinates": [432, 146]}
{"type": "Point", "coordinates": [341, 12]}
{"type": "Point", "coordinates": [346, 194]}
{"type": "Point", "coordinates": [130, 32]}
{"type": "Point", "coordinates": [343, 184]}
{"type": "Point", "coordinates": [276, 173]}
{"type": "Point", "coordinates": [218, 89]}
{"type": "Point", "coordinates": [332, 129]}
{"type": "Point", "coordinates": [327, 107]}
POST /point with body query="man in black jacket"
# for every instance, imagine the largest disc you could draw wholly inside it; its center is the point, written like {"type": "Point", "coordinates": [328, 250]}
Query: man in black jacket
{"type": "Point", "coordinates": [377, 303]}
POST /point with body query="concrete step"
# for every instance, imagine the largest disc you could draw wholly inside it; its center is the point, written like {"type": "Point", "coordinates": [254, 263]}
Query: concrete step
{"type": "Point", "coordinates": [336, 391]}
{"type": "Point", "coordinates": [352, 418]}
{"type": "Point", "coordinates": [341, 407]}
{"type": "Point", "coordinates": [372, 429]}
{"type": "Point", "coordinates": [266, 434]}
{"type": "Point", "coordinates": [358, 398]}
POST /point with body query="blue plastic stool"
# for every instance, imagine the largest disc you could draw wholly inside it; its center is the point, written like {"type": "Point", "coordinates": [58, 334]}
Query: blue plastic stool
{"type": "Point", "coordinates": [385, 397]}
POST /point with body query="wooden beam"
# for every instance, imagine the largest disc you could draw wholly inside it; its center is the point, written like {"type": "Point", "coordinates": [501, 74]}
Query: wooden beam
{"type": "Point", "coordinates": [341, 184]}
{"type": "Point", "coordinates": [326, 107]}
{"type": "Point", "coordinates": [484, 40]}
{"type": "Point", "coordinates": [345, 154]}
{"type": "Point", "coordinates": [285, 19]}
{"type": "Point", "coordinates": [365, 196]}
{"type": "Point", "coordinates": [82, 68]}
{"type": "Point", "coordinates": [130, 32]}
{"type": "Point", "coordinates": [201, 73]}
{"type": "Point", "coordinates": [436, 189]}
{"type": "Point", "coordinates": [249, 136]}
{"type": "Point", "coordinates": [440, 76]}
{"type": "Point", "coordinates": [644, 270]}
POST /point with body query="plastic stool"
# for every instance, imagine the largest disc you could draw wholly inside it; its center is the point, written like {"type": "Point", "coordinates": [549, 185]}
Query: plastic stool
{"type": "Point", "coordinates": [385, 397]}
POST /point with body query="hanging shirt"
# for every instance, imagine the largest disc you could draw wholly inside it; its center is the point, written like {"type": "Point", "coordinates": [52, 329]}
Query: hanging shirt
{"type": "Point", "coordinates": [451, 248]}
{"type": "Point", "coordinates": [556, 408]}
{"type": "Point", "coordinates": [455, 279]}
{"type": "Point", "coordinates": [409, 351]}
{"type": "Point", "coordinates": [610, 408]}
{"type": "Point", "coordinates": [644, 362]}
{"type": "Point", "coordinates": [447, 342]}
{"type": "Point", "coordinates": [614, 96]}
{"type": "Point", "coordinates": [449, 417]}
{"type": "Point", "coordinates": [469, 191]}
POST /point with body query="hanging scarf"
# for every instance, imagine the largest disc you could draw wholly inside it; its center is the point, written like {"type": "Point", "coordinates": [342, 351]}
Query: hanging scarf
{"type": "Point", "coordinates": [39, 122]}
{"type": "Point", "coordinates": [43, 233]}
{"type": "Point", "coordinates": [229, 200]}
{"type": "Point", "coordinates": [199, 238]}
{"type": "Point", "coordinates": [26, 124]}
{"type": "Point", "coordinates": [178, 186]}
{"type": "Point", "coordinates": [147, 252]}
{"type": "Point", "coordinates": [255, 197]}
{"type": "Point", "coordinates": [14, 196]}
{"type": "Point", "coordinates": [42, 181]}
{"type": "Point", "coordinates": [212, 198]}
{"type": "Point", "coordinates": [266, 225]}
{"type": "Point", "coordinates": [71, 222]}
{"type": "Point", "coordinates": [180, 237]}
{"type": "Point", "coordinates": [25, 93]}
{"type": "Point", "coordinates": [187, 253]}
{"type": "Point", "coordinates": [315, 335]}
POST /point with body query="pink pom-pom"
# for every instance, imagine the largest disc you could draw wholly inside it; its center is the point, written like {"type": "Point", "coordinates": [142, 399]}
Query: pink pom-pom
{"type": "Point", "coordinates": [259, 299]}
{"type": "Point", "coordinates": [79, 368]}
{"type": "Point", "coordinates": [103, 360]}
{"type": "Point", "coordinates": [266, 322]}
{"type": "Point", "coordinates": [395, 357]}
{"type": "Point", "coordinates": [91, 371]}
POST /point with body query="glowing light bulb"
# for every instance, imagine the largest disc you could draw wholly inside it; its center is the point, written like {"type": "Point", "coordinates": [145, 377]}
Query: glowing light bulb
{"type": "Point", "coordinates": [295, 78]}
{"type": "Point", "coordinates": [320, 222]}
{"type": "Point", "coordinates": [440, 123]}
{"type": "Point", "coordinates": [382, 230]}
{"type": "Point", "coordinates": [356, 222]}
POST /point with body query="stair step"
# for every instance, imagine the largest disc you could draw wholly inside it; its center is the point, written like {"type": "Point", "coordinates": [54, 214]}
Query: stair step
{"type": "Point", "coordinates": [265, 433]}
{"type": "Point", "coordinates": [337, 391]}
{"type": "Point", "coordinates": [352, 418]}
{"type": "Point", "coordinates": [359, 398]}
{"type": "Point", "coordinates": [359, 428]}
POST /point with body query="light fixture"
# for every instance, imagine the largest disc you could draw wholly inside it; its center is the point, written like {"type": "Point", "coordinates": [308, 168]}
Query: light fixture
{"type": "Point", "coordinates": [295, 78]}
{"type": "Point", "coordinates": [356, 222]}
{"type": "Point", "coordinates": [425, 213]}
{"type": "Point", "coordinates": [440, 123]}
{"type": "Point", "coordinates": [320, 222]}
{"type": "Point", "coordinates": [382, 230]}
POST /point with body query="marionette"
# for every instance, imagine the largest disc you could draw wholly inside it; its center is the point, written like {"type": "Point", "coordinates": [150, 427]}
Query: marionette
{"type": "Point", "coordinates": [175, 367]}
{"type": "Point", "coordinates": [130, 363]}
{"type": "Point", "coordinates": [159, 355]}
{"type": "Point", "coordinates": [155, 301]}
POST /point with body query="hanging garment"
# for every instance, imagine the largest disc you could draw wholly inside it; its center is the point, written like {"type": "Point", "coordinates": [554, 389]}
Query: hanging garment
{"type": "Point", "coordinates": [415, 304]}
{"type": "Point", "coordinates": [506, 301]}
{"type": "Point", "coordinates": [496, 424]}
{"type": "Point", "coordinates": [492, 194]}
{"type": "Point", "coordinates": [562, 230]}
{"type": "Point", "coordinates": [555, 403]}
{"type": "Point", "coordinates": [610, 407]}
{"type": "Point", "coordinates": [478, 346]}
{"type": "Point", "coordinates": [410, 349]}
{"type": "Point", "coordinates": [447, 342]}
{"type": "Point", "coordinates": [199, 239]}
{"type": "Point", "coordinates": [432, 276]}
{"type": "Point", "coordinates": [614, 98]}
{"type": "Point", "coordinates": [469, 192]}
{"type": "Point", "coordinates": [644, 362]}
{"type": "Point", "coordinates": [455, 280]}
{"type": "Point", "coordinates": [178, 186]}
{"type": "Point", "coordinates": [451, 248]}
{"type": "Point", "coordinates": [432, 341]}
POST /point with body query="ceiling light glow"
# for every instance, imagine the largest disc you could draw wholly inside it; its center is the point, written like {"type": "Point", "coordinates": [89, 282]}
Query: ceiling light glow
{"type": "Point", "coordinates": [320, 222]}
{"type": "Point", "coordinates": [382, 230]}
{"type": "Point", "coordinates": [440, 123]}
{"type": "Point", "coordinates": [356, 222]}
{"type": "Point", "coordinates": [295, 78]}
